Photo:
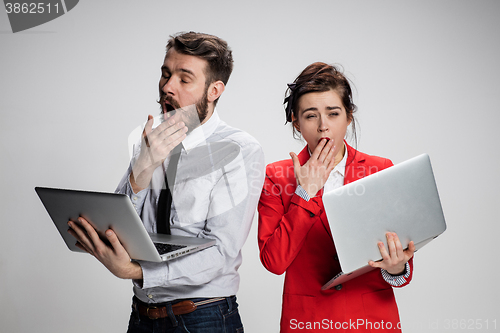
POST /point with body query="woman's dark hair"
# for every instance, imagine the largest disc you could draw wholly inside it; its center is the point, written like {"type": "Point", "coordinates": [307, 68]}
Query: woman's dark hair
{"type": "Point", "coordinates": [319, 77]}
{"type": "Point", "coordinates": [210, 48]}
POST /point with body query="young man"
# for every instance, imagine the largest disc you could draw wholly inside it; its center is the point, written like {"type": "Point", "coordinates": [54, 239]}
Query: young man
{"type": "Point", "coordinates": [214, 196]}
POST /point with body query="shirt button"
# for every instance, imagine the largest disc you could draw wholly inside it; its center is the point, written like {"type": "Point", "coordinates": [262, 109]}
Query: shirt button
{"type": "Point", "coordinates": [311, 214]}
{"type": "Point", "coordinates": [150, 296]}
{"type": "Point", "coordinates": [338, 287]}
{"type": "Point", "coordinates": [135, 198]}
{"type": "Point", "coordinates": [336, 257]}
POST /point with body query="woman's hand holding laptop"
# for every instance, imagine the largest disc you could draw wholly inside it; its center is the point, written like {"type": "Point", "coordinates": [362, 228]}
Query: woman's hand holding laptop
{"type": "Point", "coordinates": [393, 260]}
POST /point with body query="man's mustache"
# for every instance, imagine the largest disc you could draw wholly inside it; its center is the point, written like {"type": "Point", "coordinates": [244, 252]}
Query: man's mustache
{"type": "Point", "coordinates": [170, 100]}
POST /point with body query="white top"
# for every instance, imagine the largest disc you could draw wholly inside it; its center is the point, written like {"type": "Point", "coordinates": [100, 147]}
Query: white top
{"type": "Point", "coordinates": [215, 196]}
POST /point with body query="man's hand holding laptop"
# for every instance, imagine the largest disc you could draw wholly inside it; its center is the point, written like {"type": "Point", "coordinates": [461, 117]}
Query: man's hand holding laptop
{"type": "Point", "coordinates": [114, 256]}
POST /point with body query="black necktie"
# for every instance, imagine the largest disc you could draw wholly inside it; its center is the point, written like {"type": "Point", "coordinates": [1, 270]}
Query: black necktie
{"type": "Point", "coordinates": [165, 200]}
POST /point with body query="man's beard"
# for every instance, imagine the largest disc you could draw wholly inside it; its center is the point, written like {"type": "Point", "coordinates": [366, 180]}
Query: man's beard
{"type": "Point", "coordinates": [202, 107]}
{"type": "Point", "coordinates": [189, 117]}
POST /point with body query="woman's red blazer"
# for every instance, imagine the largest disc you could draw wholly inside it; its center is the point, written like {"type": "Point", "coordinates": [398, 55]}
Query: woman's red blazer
{"type": "Point", "coordinates": [294, 237]}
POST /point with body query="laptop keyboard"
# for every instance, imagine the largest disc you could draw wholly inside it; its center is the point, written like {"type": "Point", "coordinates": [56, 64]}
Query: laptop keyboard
{"type": "Point", "coordinates": [163, 248]}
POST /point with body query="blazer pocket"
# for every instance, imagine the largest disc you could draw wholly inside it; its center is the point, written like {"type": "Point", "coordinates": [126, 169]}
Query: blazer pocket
{"type": "Point", "coordinates": [381, 311]}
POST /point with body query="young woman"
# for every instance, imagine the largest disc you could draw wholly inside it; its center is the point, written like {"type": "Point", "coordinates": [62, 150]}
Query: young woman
{"type": "Point", "coordinates": [294, 235]}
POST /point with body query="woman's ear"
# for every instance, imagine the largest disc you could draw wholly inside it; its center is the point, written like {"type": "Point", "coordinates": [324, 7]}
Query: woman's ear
{"type": "Point", "coordinates": [295, 123]}
{"type": "Point", "coordinates": [215, 90]}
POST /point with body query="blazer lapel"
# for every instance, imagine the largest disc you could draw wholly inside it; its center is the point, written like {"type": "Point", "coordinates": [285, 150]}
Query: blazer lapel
{"type": "Point", "coordinates": [304, 156]}
{"type": "Point", "coordinates": [355, 166]}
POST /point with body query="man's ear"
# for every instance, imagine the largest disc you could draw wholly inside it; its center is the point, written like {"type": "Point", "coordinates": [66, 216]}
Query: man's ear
{"type": "Point", "coordinates": [215, 90]}
{"type": "Point", "coordinates": [295, 123]}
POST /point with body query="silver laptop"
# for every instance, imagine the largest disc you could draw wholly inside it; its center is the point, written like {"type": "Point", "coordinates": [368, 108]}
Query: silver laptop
{"type": "Point", "coordinates": [114, 211]}
{"type": "Point", "coordinates": [402, 199]}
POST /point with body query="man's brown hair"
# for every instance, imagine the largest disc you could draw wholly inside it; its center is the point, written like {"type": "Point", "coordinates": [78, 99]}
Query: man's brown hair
{"type": "Point", "coordinates": [208, 47]}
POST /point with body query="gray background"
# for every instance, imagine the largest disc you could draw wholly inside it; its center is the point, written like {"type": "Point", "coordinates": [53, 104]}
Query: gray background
{"type": "Point", "coordinates": [426, 78]}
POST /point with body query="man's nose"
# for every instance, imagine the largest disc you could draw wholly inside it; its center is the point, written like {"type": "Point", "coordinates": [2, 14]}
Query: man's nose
{"type": "Point", "coordinates": [169, 87]}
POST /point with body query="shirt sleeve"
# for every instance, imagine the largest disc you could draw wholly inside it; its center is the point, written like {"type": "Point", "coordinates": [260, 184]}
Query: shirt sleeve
{"type": "Point", "coordinates": [229, 228]}
{"type": "Point", "coordinates": [124, 187]}
{"type": "Point", "coordinates": [282, 234]}
{"type": "Point", "coordinates": [397, 280]}
{"type": "Point", "coordinates": [302, 193]}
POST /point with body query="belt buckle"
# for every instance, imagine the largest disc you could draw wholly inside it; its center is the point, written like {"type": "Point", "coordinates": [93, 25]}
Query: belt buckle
{"type": "Point", "coordinates": [152, 308]}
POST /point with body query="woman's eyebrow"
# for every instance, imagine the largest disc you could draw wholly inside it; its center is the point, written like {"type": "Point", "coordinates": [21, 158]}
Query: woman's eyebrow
{"type": "Point", "coordinates": [329, 108]}
{"type": "Point", "coordinates": [310, 109]}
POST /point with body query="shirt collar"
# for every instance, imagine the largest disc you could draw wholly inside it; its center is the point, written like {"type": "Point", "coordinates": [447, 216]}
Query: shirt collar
{"type": "Point", "coordinates": [199, 135]}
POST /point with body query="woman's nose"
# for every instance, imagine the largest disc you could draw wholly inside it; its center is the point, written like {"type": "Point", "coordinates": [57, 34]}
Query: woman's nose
{"type": "Point", "coordinates": [322, 126]}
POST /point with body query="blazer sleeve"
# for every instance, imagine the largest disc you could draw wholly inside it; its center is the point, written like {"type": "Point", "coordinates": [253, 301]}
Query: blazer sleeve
{"type": "Point", "coordinates": [284, 221]}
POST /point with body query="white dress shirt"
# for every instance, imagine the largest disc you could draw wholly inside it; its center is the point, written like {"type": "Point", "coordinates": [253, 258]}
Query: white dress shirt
{"type": "Point", "coordinates": [218, 184]}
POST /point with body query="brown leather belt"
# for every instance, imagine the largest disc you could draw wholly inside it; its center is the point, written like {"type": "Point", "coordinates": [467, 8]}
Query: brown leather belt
{"type": "Point", "coordinates": [180, 308]}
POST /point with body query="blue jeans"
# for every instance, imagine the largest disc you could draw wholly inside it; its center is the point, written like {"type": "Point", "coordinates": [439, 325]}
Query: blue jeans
{"type": "Point", "coordinates": [220, 317]}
